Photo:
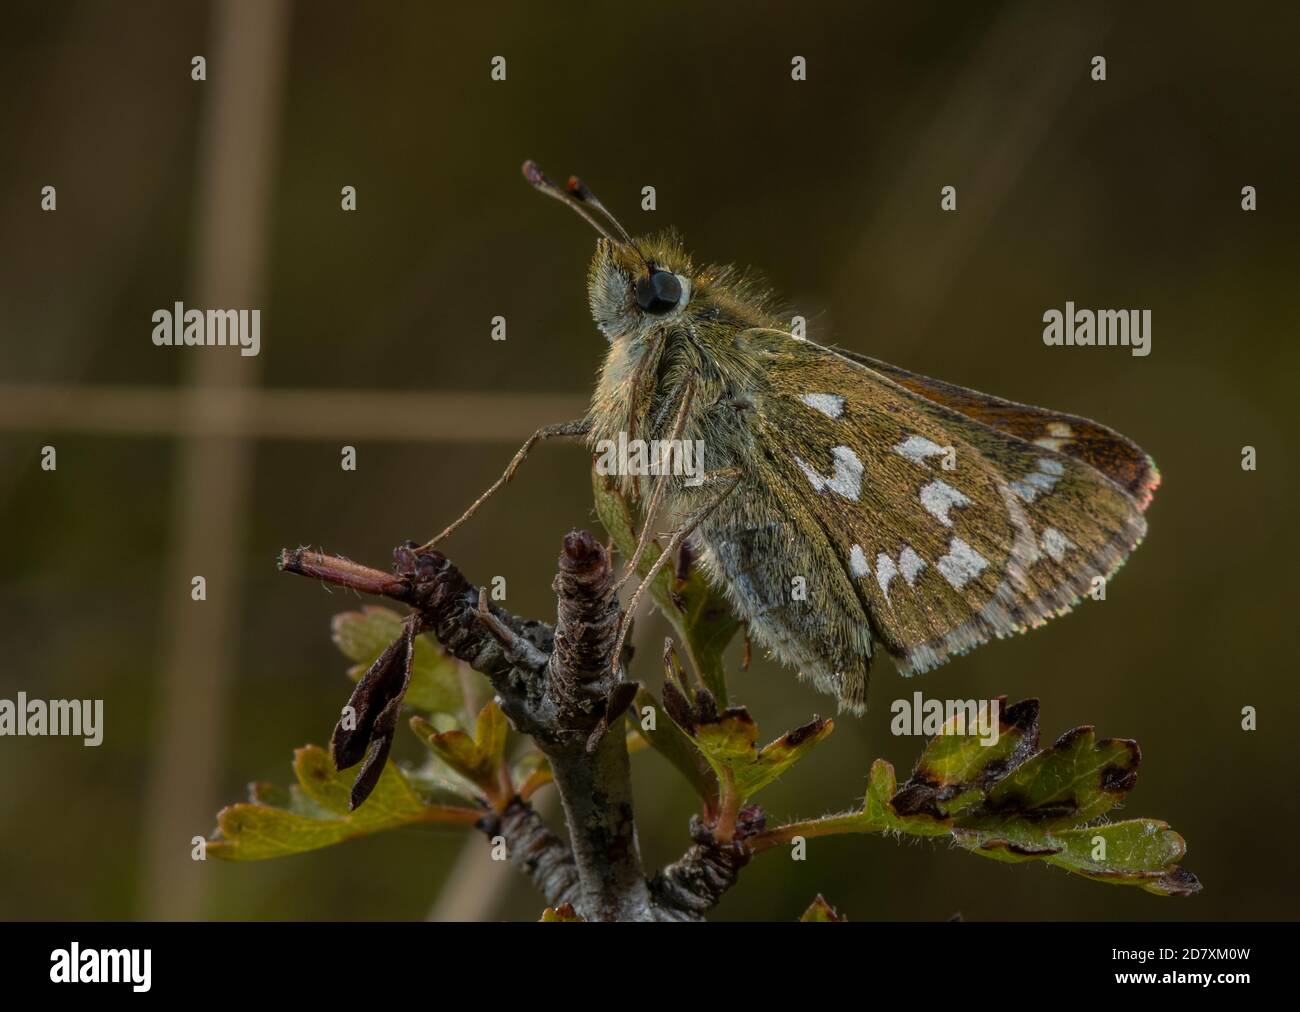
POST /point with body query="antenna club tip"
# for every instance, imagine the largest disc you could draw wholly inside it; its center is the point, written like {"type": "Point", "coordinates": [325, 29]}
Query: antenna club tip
{"type": "Point", "coordinates": [533, 172]}
{"type": "Point", "coordinates": [578, 188]}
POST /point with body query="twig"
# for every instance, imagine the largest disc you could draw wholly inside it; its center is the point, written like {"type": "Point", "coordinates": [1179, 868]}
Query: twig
{"type": "Point", "coordinates": [595, 786]}
{"type": "Point", "coordinates": [559, 686]}
{"type": "Point", "coordinates": [691, 886]}
{"type": "Point", "coordinates": [536, 851]}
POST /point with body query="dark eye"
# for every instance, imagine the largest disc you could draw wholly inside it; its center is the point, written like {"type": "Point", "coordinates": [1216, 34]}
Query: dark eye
{"type": "Point", "coordinates": [658, 292]}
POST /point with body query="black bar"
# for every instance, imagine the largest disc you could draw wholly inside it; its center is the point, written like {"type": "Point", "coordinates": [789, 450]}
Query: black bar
{"type": "Point", "coordinates": [368, 960]}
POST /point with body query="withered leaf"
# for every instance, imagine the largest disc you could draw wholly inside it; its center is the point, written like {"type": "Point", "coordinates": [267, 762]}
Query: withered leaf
{"type": "Point", "coordinates": [372, 711]}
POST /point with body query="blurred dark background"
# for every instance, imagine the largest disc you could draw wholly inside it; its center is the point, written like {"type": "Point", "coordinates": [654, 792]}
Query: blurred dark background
{"type": "Point", "coordinates": [375, 333]}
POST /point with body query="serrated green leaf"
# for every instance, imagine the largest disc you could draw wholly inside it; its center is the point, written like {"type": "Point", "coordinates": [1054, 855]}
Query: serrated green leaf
{"type": "Point", "coordinates": [1010, 805]}
{"type": "Point", "coordinates": [316, 814]}
{"type": "Point", "coordinates": [1076, 780]}
{"type": "Point", "coordinates": [730, 745]}
{"type": "Point", "coordinates": [878, 814]}
{"type": "Point", "coordinates": [435, 677]}
{"type": "Point", "coordinates": [1140, 852]}
{"type": "Point", "coordinates": [698, 613]}
{"type": "Point", "coordinates": [479, 759]}
{"type": "Point", "coordinates": [961, 766]}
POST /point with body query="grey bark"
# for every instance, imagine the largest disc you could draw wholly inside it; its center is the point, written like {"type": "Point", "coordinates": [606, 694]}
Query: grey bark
{"type": "Point", "coordinates": [537, 852]}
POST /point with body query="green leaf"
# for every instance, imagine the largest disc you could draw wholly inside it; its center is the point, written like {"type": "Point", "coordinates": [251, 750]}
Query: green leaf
{"type": "Point", "coordinates": [1010, 802]}
{"type": "Point", "coordinates": [1140, 852]}
{"type": "Point", "coordinates": [435, 677]}
{"type": "Point", "coordinates": [728, 742]}
{"type": "Point", "coordinates": [314, 813]}
{"type": "Point", "coordinates": [698, 613]}
{"type": "Point", "coordinates": [878, 813]}
{"type": "Point", "coordinates": [960, 765]}
{"type": "Point", "coordinates": [1076, 780]}
{"type": "Point", "coordinates": [730, 745]}
{"type": "Point", "coordinates": [478, 759]}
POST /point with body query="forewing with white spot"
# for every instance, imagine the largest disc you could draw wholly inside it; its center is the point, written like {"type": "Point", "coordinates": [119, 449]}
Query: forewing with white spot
{"type": "Point", "coordinates": [949, 531]}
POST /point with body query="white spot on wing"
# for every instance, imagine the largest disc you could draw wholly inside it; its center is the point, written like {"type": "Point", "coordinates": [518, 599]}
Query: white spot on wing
{"type": "Point", "coordinates": [938, 497]}
{"type": "Point", "coordinates": [847, 479]}
{"type": "Point", "coordinates": [917, 448]}
{"type": "Point", "coordinates": [1040, 481]}
{"type": "Point", "coordinates": [911, 565]}
{"type": "Point", "coordinates": [830, 405]}
{"type": "Point", "coordinates": [885, 571]}
{"type": "Point", "coordinates": [962, 564]}
{"type": "Point", "coordinates": [858, 562]}
{"type": "Point", "coordinates": [1056, 544]}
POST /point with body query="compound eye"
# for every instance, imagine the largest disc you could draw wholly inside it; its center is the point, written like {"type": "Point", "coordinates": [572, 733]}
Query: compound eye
{"type": "Point", "coordinates": [658, 292]}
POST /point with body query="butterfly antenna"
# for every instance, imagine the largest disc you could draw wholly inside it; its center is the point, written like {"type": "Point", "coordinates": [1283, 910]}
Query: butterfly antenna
{"type": "Point", "coordinates": [581, 192]}
{"type": "Point", "coordinates": [579, 199]}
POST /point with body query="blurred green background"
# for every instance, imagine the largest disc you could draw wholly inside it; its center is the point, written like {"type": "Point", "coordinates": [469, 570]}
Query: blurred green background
{"type": "Point", "coordinates": [226, 192]}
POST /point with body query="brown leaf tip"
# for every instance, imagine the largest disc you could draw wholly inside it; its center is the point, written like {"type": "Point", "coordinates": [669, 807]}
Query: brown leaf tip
{"type": "Point", "coordinates": [799, 735]}
{"type": "Point", "coordinates": [917, 797]}
{"type": "Point", "coordinates": [1181, 882]}
{"type": "Point", "coordinates": [1117, 779]}
{"type": "Point", "coordinates": [1022, 715]}
{"type": "Point", "coordinates": [1069, 737]}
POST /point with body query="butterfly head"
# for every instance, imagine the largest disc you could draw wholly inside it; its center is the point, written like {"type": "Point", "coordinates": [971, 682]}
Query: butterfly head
{"type": "Point", "coordinates": [636, 289]}
{"type": "Point", "coordinates": [635, 286]}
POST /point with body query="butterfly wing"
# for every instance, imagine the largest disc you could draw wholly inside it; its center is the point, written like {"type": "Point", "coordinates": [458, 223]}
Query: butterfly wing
{"type": "Point", "coordinates": [950, 530]}
{"type": "Point", "coordinates": [1119, 459]}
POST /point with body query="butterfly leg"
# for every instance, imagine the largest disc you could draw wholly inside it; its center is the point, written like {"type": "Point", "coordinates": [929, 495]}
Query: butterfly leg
{"type": "Point", "coordinates": [577, 427]}
{"type": "Point", "coordinates": [679, 426]}
{"type": "Point", "coordinates": [730, 479]}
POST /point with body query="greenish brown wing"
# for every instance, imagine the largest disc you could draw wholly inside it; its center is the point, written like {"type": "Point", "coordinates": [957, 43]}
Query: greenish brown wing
{"type": "Point", "coordinates": [951, 531]}
{"type": "Point", "coordinates": [1115, 456]}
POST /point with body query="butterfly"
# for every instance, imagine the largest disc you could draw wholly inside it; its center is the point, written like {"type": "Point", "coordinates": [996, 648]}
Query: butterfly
{"type": "Point", "coordinates": [845, 506]}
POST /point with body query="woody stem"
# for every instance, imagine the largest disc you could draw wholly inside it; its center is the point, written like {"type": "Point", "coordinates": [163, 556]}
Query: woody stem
{"type": "Point", "coordinates": [556, 685]}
